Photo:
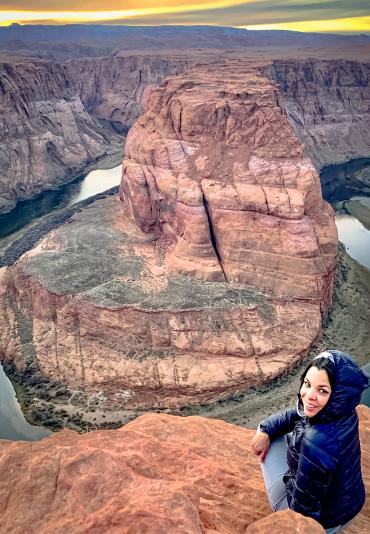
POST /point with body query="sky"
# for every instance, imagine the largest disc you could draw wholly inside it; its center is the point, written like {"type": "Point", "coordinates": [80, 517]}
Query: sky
{"type": "Point", "coordinates": [331, 16]}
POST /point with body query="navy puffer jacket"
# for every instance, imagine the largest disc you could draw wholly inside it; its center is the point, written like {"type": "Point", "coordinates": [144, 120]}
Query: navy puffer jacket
{"type": "Point", "coordinates": [324, 478]}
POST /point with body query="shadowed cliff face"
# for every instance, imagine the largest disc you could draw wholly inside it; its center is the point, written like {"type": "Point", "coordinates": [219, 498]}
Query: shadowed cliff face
{"type": "Point", "coordinates": [49, 132]}
{"type": "Point", "coordinates": [46, 135]}
{"type": "Point", "coordinates": [157, 474]}
{"type": "Point", "coordinates": [116, 88]}
{"type": "Point", "coordinates": [328, 103]}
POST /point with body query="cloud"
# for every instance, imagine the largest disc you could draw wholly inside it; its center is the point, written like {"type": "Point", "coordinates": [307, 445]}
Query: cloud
{"type": "Point", "coordinates": [263, 12]}
{"type": "Point", "coordinates": [96, 5]}
{"type": "Point", "coordinates": [216, 12]}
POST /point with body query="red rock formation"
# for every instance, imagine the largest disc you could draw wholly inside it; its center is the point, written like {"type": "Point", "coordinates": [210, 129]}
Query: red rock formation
{"type": "Point", "coordinates": [157, 474]}
{"type": "Point", "coordinates": [93, 307]}
{"type": "Point", "coordinates": [215, 166]}
{"type": "Point", "coordinates": [218, 279]}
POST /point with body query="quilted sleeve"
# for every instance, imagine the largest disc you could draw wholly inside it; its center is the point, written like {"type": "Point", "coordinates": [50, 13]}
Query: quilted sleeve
{"type": "Point", "coordinates": [280, 423]}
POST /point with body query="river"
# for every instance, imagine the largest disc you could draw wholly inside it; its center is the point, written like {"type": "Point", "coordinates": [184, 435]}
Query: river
{"type": "Point", "coordinates": [355, 237]}
{"type": "Point", "coordinates": [12, 423]}
{"type": "Point", "coordinates": [27, 214]}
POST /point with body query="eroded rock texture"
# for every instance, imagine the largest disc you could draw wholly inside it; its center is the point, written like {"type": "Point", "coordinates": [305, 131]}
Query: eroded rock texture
{"type": "Point", "coordinates": [213, 274]}
{"type": "Point", "coordinates": [215, 166]}
{"type": "Point", "coordinates": [46, 135]}
{"type": "Point", "coordinates": [159, 473]}
{"type": "Point", "coordinates": [328, 103]}
{"type": "Point", "coordinates": [116, 88]}
{"type": "Point", "coordinates": [49, 131]}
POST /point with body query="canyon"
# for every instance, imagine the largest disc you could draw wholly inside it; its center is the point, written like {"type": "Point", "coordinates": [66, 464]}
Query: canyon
{"type": "Point", "coordinates": [214, 270]}
{"type": "Point", "coordinates": [209, 275]}
{"type": "Point", "coordinates": [46, 135]}
{"type": "Point", "coordinates": [328, 103]}
{"type": "Point", "coordinates": [58, 118]}
{"type": "Point", "coordinates": [159, 473]}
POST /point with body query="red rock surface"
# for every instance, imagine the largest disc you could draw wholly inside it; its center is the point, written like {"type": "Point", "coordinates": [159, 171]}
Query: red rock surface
{"type": "Point", "coordinates": [212, 276]}
{"type": "Point", "coordinates": [285, 522]}
{"type": "Point", "coordinates": [159, 473]}
{"type": "Point", "coordinates": [214, 165]}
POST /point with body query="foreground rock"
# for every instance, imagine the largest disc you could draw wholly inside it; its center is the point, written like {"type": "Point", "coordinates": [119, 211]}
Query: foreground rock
{"type": "Point", "coordinates": [157, 474]}
{"type": "Point", "coordinates": [212, 277]}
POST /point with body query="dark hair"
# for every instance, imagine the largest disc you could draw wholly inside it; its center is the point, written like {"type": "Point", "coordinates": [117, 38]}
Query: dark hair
{"type": "Point", "coordinates": [322, 364]}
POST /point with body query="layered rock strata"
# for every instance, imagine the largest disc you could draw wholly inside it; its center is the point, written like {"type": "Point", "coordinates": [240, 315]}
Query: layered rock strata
{"type": "Point", "coordinates": [214, 166]}
{"type": "Point", "coordinates": [328, 102]}
{"type": "Point", "coordinates": [211, 277]}
{"type": "Point", "coordinates": [116, 88]}
{"type": "Point", "coordinates": [49, 131]}
{"type": "Point", "coordinates": [157, 474]}
{"type": "Point", "coordinates": [46, 135]}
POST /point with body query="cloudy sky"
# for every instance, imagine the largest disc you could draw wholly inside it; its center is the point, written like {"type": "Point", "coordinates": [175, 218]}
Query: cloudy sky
{"type": "Point", "coordinates": [342, 16]}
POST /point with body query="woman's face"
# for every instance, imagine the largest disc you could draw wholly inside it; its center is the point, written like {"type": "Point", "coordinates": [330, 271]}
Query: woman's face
{"type": "Point", "coordinates": [315, 391]}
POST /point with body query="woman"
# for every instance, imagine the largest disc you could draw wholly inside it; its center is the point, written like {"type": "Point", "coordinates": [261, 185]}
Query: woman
{"type": "Point", "coordinates": [318, 473]}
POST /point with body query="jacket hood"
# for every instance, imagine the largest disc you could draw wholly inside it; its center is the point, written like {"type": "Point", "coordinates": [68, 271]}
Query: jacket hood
{"type": "Point", "coordinates": [349, 383]}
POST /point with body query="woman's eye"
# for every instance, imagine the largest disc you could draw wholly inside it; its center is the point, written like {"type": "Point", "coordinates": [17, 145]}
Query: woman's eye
{"type": "Point", "coordinates": [324, 392]}
{"type": "Point", "coordinates": [307, 384]}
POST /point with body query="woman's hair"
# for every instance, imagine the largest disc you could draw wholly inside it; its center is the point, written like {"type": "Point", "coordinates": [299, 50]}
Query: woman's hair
{"type": "Point", "coordinates": [323, 364]}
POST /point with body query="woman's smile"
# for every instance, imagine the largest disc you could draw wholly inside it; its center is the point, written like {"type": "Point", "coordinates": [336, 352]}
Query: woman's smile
{"type": "Point", "coordinates": [315, 391]}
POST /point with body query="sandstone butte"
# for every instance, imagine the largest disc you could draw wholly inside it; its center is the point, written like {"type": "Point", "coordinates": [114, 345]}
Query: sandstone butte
{"type": "Point", "coordinates": [213, 273]}
{"type": "Point", "coordinates": [157, 474]}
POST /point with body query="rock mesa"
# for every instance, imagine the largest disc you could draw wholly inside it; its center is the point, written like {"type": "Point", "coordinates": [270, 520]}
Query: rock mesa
{"type": "Point", "coordinates": [210, 277]}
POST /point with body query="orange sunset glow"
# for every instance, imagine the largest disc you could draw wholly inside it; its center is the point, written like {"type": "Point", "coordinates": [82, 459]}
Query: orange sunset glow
{"type": "Point", "coordinates": [331, 16]}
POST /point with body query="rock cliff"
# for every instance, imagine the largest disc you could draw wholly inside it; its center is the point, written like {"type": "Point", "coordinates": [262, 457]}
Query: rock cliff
{"type": "Point", "coordinates": [214, 165]}
{"type": "Point", "coordinates": [157, 474]}
{"type": "Point", "coordinates": [328, 102]}
{"type": "Point", "coordinates": [211, 277]}
{"type": "Point", "coordinates": [46, 135]}
{"type": "Point", "coordinates": [49, 111]}
{"type": "Point", "coordinates": [116, 88]}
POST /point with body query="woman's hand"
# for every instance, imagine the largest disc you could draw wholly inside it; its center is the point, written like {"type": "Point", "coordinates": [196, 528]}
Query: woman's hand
{"type": "Point", "coordinates": [260, 444]}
